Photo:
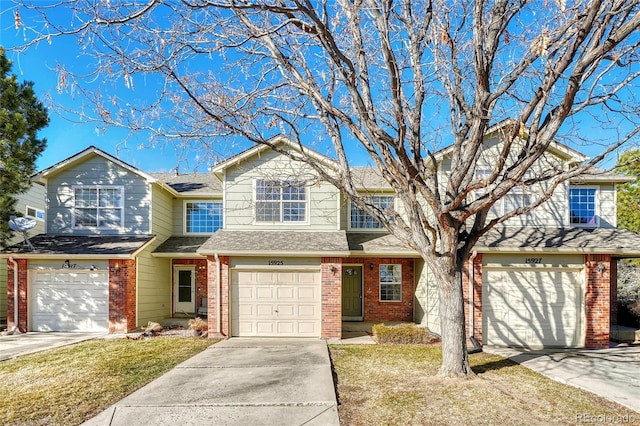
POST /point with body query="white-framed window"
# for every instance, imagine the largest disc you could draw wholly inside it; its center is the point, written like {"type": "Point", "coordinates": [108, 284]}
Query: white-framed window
{"type": "Point", "coordinates": [515, 199]}
{"type": "Point", "coordinates": [359, 219]}
{"type": "Point", "coordinates": [34, 213]}
{"type": "Point", "coordinates": [583, 206]}
{"type": "Point", "coordinates": [280, 201]}
{"type": "Point", "coordinates": [391, 283]}
{"type": "Point", "coordinates": [98, 206]}
{"type": "Point", "coordinates": [202, 217]}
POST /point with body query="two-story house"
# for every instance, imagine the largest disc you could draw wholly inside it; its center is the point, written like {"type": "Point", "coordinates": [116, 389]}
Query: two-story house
{"type": "Point", "coordinates": [264, 247]}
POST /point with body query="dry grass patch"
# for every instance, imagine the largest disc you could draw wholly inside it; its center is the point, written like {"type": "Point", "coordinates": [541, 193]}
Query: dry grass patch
{"type": "Point", "coordinates": [70, 385]}
{"type": "Point", "coordinates": [398, 385]}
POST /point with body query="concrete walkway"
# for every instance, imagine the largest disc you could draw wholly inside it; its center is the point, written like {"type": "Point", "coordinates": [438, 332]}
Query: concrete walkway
{"type": "Point", "coordinates": [238, 382]}
{"type": "Point", "coordinates": [611, 373]}
{"type": "Point", "coordinates": [12, 346]}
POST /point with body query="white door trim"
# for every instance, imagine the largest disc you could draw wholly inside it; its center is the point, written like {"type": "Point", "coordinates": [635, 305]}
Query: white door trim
{"type": "Point", "coordinates": [187, 307]}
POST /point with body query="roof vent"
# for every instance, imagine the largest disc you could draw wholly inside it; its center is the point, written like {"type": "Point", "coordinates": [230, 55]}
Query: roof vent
{"type": "Point", "coordinates": [176, 171]}
{"type": "Point", "coordinates": [23, 225]}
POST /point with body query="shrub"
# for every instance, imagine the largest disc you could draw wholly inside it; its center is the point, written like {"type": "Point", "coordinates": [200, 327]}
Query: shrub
{"type": "Point", "coordinates": [403, 334]}
{"type": "Point", "coordinates": [198, 324]}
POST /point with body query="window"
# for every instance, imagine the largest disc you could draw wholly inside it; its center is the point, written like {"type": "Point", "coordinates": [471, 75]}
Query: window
{"type": "Point", "coordinates": [280, 201]}
{"type": "Point", "coordinates": [363, 220]}
{"type": "Point", "coordinates": [35, 213]}
{"type": "Point", "coordinates": [390, 283]}
{"type": "Point", "coordinates": [515, 199]}
{"type": "Point", "coordinates": [582, 207]}
{"type": "Point", "coordinates": [203, 217]}
{"type": "Point", "coordinates": [99, 207]}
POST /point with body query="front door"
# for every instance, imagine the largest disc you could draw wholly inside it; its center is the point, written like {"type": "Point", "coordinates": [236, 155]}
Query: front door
{"type": "Point", "coordinates": [184, 289]}
{"type": "Point", "coordinates": [352, 293]}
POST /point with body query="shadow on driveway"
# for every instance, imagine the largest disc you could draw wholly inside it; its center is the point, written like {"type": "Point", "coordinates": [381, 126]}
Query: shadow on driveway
{"type": "Point", "coordinates": [612, 373]}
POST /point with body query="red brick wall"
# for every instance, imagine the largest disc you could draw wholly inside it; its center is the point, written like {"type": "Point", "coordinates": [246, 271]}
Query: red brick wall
{"type": "Point", "coordinates": [22, 294]}
{"type": "Point", "coordinates": [474, 329]}
{"type": "Point", "coordinates": [598, 274]}
{"type": "Point", "coordinates": [212, 297]}
{"type": "Point", "coordinates": [613, 293]}
{"type": "Point", "coordinates": [331, 282]}
{"type": "Point", "coordinates": [376, 310]}
{"type": "Point", "coordinates": [201, 277]}
{"type": "Point", "coordinates": [122, 295]}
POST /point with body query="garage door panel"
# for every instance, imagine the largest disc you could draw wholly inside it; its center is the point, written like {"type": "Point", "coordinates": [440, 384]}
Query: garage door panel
{"type": "Point", "coordinates": [69, 301]}
{"type": "Point", "coordinates": [534, 307]}
{"type": "Point", "coordinates": [284, 303]}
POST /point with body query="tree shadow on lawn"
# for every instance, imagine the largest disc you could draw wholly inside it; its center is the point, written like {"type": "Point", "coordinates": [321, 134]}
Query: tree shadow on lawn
{"type": "Point", "coordinates": [491, 364]}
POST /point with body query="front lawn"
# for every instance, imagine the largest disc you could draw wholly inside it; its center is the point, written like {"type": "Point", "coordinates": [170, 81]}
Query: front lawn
{"type": "Point", "coordinates": [70, 385]}
{"type": "Point", "coordinates": [398, 385]}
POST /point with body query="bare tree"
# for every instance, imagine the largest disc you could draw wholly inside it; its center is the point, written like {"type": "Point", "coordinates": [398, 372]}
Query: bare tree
{"type": "Point", "coordinates": [398, 79]}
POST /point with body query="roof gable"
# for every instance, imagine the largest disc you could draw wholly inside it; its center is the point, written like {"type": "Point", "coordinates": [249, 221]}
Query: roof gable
{"type": "Point", "coordinates": [556, 148]}
{"type": "Point", "coordinates": [85, 155]}
{"type": "Point", "coordinates": [256, 150]}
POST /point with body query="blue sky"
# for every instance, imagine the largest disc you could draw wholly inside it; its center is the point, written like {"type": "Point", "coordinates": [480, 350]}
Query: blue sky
{"type": "Point", "coordinates": [66, 138]}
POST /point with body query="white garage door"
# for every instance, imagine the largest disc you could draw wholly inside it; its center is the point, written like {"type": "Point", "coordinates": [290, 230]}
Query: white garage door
{"type": "Point", "coordinates": [276, 303]}
{"type": "Point", "coordinates": [69, 301]}
{"type": "Point", "coordinates": [533, 307]}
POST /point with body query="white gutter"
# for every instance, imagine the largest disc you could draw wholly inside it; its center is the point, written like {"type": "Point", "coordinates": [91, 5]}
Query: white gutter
{"type": "Point", "coordinates": [15, 296]}
{"type": "Point", "coordinates": [471, 280]}
{"type": "Point", "coordinates": [219, 285]}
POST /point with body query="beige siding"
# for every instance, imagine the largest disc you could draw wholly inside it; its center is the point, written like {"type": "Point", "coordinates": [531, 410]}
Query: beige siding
{"type": "Point", "coordinates": [239, 192]}
{"type": "Point", "coordinates": [607, 200]}
{"type": "Point", "coordinates": [34, 197]}
{"type": "Point", "coordinates": [426, 301]}
{"type": "Point", "coordinates": [154, 274]}
{"type": "Point", "coordinates": [98, 171]}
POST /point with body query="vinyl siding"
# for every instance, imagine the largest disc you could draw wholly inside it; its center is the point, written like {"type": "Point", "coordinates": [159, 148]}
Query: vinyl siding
{"type": "Point", "coordinates": [239, 204]}
{"type": "Point", "coordinates": [426, 300]}
{"type": "Point", "coordinates": [98, 171]}
{"type": "Point", "coordinates": [34, 197]}
{"type": "Point", "coordinates": [154, 274]}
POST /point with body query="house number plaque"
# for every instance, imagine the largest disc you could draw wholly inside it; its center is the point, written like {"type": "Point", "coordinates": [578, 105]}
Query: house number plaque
{"type": "Point", "coordinates": [276, 262]}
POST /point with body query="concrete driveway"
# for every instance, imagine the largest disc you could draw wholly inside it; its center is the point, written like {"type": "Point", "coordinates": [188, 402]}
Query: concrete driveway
{"type": "Point", "coordinates": [238, 382]}
{"type": "Point", "coordinates": [15, 345]}
{"type": "Point", "coordinates": [611, 373]}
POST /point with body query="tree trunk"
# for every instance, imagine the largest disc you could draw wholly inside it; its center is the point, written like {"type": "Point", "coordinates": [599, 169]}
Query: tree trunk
{"type": "Point", "coordinates": [455, 360]}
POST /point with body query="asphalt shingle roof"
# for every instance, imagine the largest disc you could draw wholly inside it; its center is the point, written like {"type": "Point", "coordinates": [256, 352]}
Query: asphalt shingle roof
{"type": "Point", "coordinates": [191, 183]}
{"type": "Point", "coordinates": [181, 245]}
{"type": "Point", "coordinates": [377, 243]}
{"type": "Point", "coordinates": [606, 240]}
{"type": "Point", "coordinates": [110, 245]}
{"type": "Point", "coordinates": [264, 242]}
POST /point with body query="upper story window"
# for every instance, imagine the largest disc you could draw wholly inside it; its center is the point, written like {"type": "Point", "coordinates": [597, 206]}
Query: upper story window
{"type": "Point", "coordinates": [34, 213]}
{"type": "Point", "coordinates": [391, 283]}
{"type": "Point", "coordinates": [516, 199]}
{"type": "Point", "coordinates": [280, 201]}
{"type": "Point", "coordinates": [363, 220]}
{"type": "Point", "coordinates": [98, 206]}
{"type": "Point", "coordinates": [583, 207]}
{"type": "Point", "coordinates": [203, 217]}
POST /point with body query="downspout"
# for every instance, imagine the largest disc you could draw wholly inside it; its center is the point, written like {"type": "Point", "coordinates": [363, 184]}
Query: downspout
{"type": "Point", "coordinates": [15, 295]}
{"type": "Point", "coordinates": [476, 346]}
{"type": "Point", "coordinates": [219, 285]}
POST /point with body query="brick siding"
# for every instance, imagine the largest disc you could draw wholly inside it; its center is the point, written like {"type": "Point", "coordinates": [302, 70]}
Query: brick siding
{"type": "Point", "coordinates": [331, 310]}
{"type": "Point", "coordinates": [473, 329]}
{"type": "Point", "coordinates": [376, 310]}
{"type": "Point", "coordinates": [599, 273]}
{"type": "Point", "coordinates": [22, 294]}
{"type": "Point", "coordinates": [213, 303]}
{"type": "Point", "coordinates": [122, 295]}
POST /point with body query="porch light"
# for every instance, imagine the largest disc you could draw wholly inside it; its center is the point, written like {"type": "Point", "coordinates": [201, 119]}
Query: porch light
{"type": "Point", "coordinates": [601, 268]}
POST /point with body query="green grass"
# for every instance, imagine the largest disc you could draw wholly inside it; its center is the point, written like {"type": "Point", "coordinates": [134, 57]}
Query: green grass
{"type": "Point", "coordinates": [399, 385]}
{"type": "Point", "coordinates": [70, 385]}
